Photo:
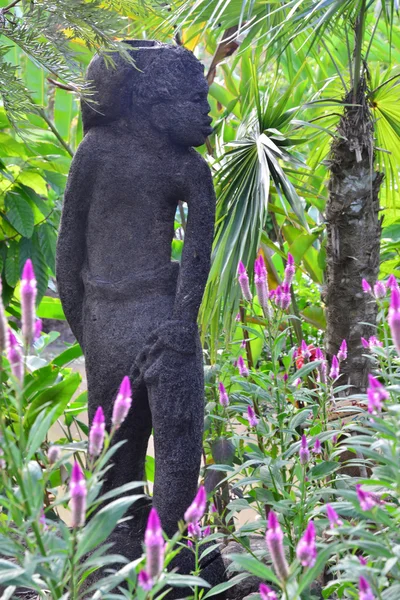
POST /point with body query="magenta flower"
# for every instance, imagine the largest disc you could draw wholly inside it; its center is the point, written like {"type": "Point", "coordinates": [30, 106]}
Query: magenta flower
{"type": "Point", "coordinates": [238, 317]}
{"type": "Point", "coordinates": [366, 287]}
{"type": "Point", "coordinates": [377, 394]}
{"type": "Point", "coordinates": [53, 454]}
{"type": "Point", "coordinates": [223, 396]}
{"type": "Point", "coordinates": [365, 590]}
{"type": "Point", "coordinates": [144, 580]}
{"type": "Point", "coordinates": [266, 593]}
{"type": "Point", "coordinates": [392, 282]}
{"type": "Point", "coordinates": [197, 509]}
{"type": "Point", "coordinates": [306, 550]}
{"type": "Point", "coordinates": [290, 270]}
{"type": "Point", "coordinates": [322, 370]}
{"type": "Point", "coordinates": [366, 499]}
{"type": "Point", "coordinates": [28, 298]}
{"type": "Point", "coordinates": [274, 540]}
{"type": "Point", "coordinates": [14, 356]}
{"type": "Point", "coordinates": [155, 546]}
{"type": "Point", "coordinates": [317, 449]}
{"type": "Point", "coordinates": [364, 343]}
{"type": "Point", "coordinates": [305, 352]}
{"type": "Point", "coordinates": [286, 298]}
{"type": "Point", "coordinates": [3, 324]}
{"type": "Point", "coordinates": [333, 517]}
{"type": "Point", "coordinates": [373, 341]}
{"type": "Point", "coordinates": [362, 560]}
{"type": "Point", "coordinates": [213, 507]}
{"type": "Point", "coordinates": [122, 403]}
{"type": "Point", "coordinates": [394, 317]}
{"type": "Point", "coordinates": [334, 372]}
{"type": "Point", "coordinates": [78, 492]}
{"type": "Point", "coordinates": [38, 329]}
{"type": "Point", "coordinates": [194, 530]}
{"type": "Point", "coordinates": [206, 531]}
{"type": "Point", "coordinates": [97, 433]}
{"type": "Point", "coordinates": [342, 354]}
{"type": "Point", "coordinates": [251, 417]}
{"type": "Point", "coordinates": [243, 279]}
{"type": "Point", "coordinates": [261, 283]}
{"type": "Point", "coordinates": [278, 297]}
{"type": "Point", "coordinates": [304, 452]}
{"type": "Point", "coordinates": [379, 289]}
{"type": "Point", "coordinates": [243, 370]}
{"type": "Point", "coordinates": [319, 355]}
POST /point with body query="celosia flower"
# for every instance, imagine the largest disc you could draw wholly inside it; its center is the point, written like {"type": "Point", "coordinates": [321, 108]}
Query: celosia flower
{"type": "Point", "coordinates": [244, 282]}
{"type": "Point", "coordinates": [365, 590]}
{"type": "Point", "coordinates": [362, 560]}
{"type": "Point", "coordinates": [38, 329]}
{"type": "Point", "coordinates": [306, 550]}
{"type": "Point", "coordinates": [379, 289]}
{"type": "Point", "coordinates": [251, 417]}
{"type": "Point", "coordinates": [366, 499]}
{"type": "Point", "coordinates": [78, 492]}
{"type": "Point", "coordinates": [3, 323]}
{"type": "Point", "coordinates": [14, 356]}
{"type": "Point", "coordinates": [377, 394]}
{"type": "Point", "coordinates": [144, 580]}
{"type": "Point", "coordinates": [196, 510]}
{"type": "Point", "coordinates": [364, 343]}
{"type": "Point", "coordinates": [122, 403]}
{"type": "Point", "coordinates": [286, 298]}
{"type": "Point", "coordinates": [304, 452]}
{"type": "Point", "coordinates": [206, 531]}
{"type": "Point", "coordinates": [317, 449]}
{"type": "Point", "coordinates": [274, 540]}
{"type": "Point", "coordinates": [334, 372]}
{"type": "Point", "coordinates": [261, 283]}
{"type": "Point", "coordinates": [297, 382]}
{"type": "Point", "coordinates": [305, 351]}
{"type": "Point", "coordinates": [28, 298]}
{"type": "Point", "coordinates": [97, 433]}
{"type": "Point", "coordinates": [266, 593]}
{"type": "Point", "coordinates": [213, 507]}
{"type": "Point", "coordinates": [373, 341]}
{"type": "Point", "coordinates": [333, 517]}
{"type": "Point", "coordinates": [366, 287]}
{"type": "Point", "coordinates": [392, 282]}
{"type": "Point", "coordinates": [322, 369]}
{"type": "Point", "coordinates": [290, 270]}
{"type": "Point", "coordinates": [238, 317]}
{"type": "Point", "coordinates": [194, 530]}
{"type": "Point", "coordinates": [342, 354]}
{"type": "Point", "coordinates": [53, 454]}
{"type": "Point", "coordinates": [278, 297]}
{"type": "Point", "coordinates": [243, 370]}
{"type": "Point", "coordinates": [223, 396]}
{"type": "Point", "coordinates": [394, 317]}
{"type": "Point", "coordinates": [155, 546]}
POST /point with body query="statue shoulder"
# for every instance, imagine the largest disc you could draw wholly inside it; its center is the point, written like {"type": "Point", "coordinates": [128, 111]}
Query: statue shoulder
{"type": "Point", "coordinates": [197, 165]}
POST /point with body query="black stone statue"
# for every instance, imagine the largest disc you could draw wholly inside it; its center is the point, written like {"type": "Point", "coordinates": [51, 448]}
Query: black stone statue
{"type": "Point", "coordinates": [130, 307]}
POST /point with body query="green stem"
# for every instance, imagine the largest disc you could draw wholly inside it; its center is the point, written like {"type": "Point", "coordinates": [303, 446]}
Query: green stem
{"type": "Point", "coordinates": [55, 131]}
{"type": "Point", "coordinates": [359, 38]}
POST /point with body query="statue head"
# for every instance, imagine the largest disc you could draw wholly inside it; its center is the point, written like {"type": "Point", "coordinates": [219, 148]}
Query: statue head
{"type": "Point", "coordinates": [165, 86]}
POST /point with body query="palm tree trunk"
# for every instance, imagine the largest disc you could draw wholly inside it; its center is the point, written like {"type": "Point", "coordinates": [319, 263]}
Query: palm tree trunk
{"type": "Point", "coordinates": [353, 237]}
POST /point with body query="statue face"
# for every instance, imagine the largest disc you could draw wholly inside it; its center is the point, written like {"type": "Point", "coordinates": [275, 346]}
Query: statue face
{"type": "Point", "coordinates": [185, 119]}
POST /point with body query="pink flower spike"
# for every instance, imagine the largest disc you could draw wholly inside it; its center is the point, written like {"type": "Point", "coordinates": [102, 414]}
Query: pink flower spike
{"type": "Point", "coordinates": [364, 343]}
{"type": "Point", "coordinates": [155, 546]}
{"type": "Point", "coordinates": [379, 289]}
{"type": "Point", "coordinates": [261, 283]}
{"type": "Point", "coordinates": [304, 452]}
{"type": "Point", "coordinates": [53, 454]}
{"type": "Point", "coordinates": [334, 372]}
{"type": "Point", "coordinates": [197, 509]}
{"type": "Point", "coordinates": [206, 531]}
{"type": "Point", "coordinates": [238, 318]}
{"type": "Point", "coordinates": [366, 287]}
{"type": "Point", "coordinates": [374, 342]}
{"type": "Point", "coordinates": [290, 270]}
{"type": "Point", "coordinates": [333, 517]}
{"type": "Point", "coordinates": [266, 593]}
{"type": "Point", "coordinates": [213, 508]}
{"type": "Point", "coordinates": [122, 403]}
{"type": "Point", "coordinates": [78, 492]}
{"type": "Point", "coordinates": [144, 580]}
{"type": "Point", "coordinates": [251, 417]}
{"type": "Point", "coordinates": [97, 433]}
{"type": "Point", "coordinates": [305, 352]}
{"type": "Point", "coordinates": [274, 541]}
{"type": "Point", "coordinates": [306, 550]}
{"type": "Point", "coordinates": [365, 590]}
{"type": "Point", "coordinates": [243, 370]}
{"type": "Point", "coordinates": [223, 396]}
{"type": "Point", "coordinates": [194, 530]}
{"type": "Point", "coordinates": [392, 282]}
{"type": "Point", "coordinates": [14, 356]}
{"type": "Point", "coordinates": [28, 299]}
{"type": "Point", "coordinates": [362, 560]}
{"type": "Point", "coordinates": [38, 329]}
{"type": "Point", "coordinates": [244, 282]}
{"type": "Point", "coordinates": [342, 354]}
{"type": "Point", "coordinates": [319, 355]}
{"type": "Point", "coordinates": [394, 317]}
{"type": "Point", "coordinates": [366, 499]}
{"type": "Point", "coordinates": [317, 449]}
{"type": "Point", "coordinates": [377, 394]}
{"type": "Point", "coordinates": [278, 297]}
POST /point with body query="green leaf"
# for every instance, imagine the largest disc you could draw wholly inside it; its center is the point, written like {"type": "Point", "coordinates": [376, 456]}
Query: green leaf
{"type": "Point", "coordinates": [322, 560]}
{"type": "Point", "coordinates": [177, 580]}
{"type": "Point", "coordinates": [50, 308]}
{"type": "Point", "coordinates": [323, 469]}
{"type": "Point", "coordinates": [254, 566]}
{"type": "Point", "coordinates": [227, 585]}
{"type": "Point", "coordinates": [47, 240]}
{"type": "Point", "coordinates": [19, 214]}
{"type": "Point", "coordinates": [67, 356]}
{"type": "Point", "coordinates": [56, 396]}
{"type": "Point", "coordinates": [12, 270]}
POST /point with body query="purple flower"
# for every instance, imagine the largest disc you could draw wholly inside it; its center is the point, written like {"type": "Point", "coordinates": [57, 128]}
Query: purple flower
{"type": "Point", "coordinates": [362, 560]}
{"type": "Point", "coordinates": [342, 354]}
{"type": "Point", "coordinates": [394, 317]}
{"type": "Point", "coordinates": [122, 403]}
{"type": "Point", "coordinates": [392, 282]}
{"type": "Point", "coordinates": [305, 352]}
{"type": "Point", "coordinates": [266, 593]}
{"type": "Point", "coordinates": [251, 417]}
{"type": "Point", "coordinates": [14, 356]}
{"type": "Point", "coordinates": [334, 372]}
{"type": "Point", "coordinates": [304, 452]}
{"type": "Point", "coordinates": [238, 317]}
{"type": "Point", "coordinates": [155, 546]}
{"type": "Point", "coordinates": [286, 298]}
{"type": "Point", "coordinates": [297, 382]}
{"type": "Point", "coordinates": [97, 433]}
{"type": "Point", "coordinates": [365, 590]}
{"type": "Point", "coordinates": [319, 355]}
{"type": "Point", "coordinates": [322, 369]}
{"type": "Point", "coordinates": [366, 287]}
{"type": "Point", "coordinates": [38, 329]}
{"type": "Point", "coordinates": [278, 297]}
{"type": "Point", "coordinates": [261, 283]}
{"type": "Point", "coordinates": [243, 279]}
{"type": "Point", "coordinates": [274, 540]}
{"type": "Point", "coordinates": [365, 343]}
{"type": "Point", "coordinates": [290, 270]}
{"type": "Point", "coordinates": [366, 499]}
{"type": "Point", "coordinates": [213, 507]}
{"type": "Point", "coordinates": [373, 341]}
{"type": "Point", "coordinates": [78, 492]}
{"type": "Point", "coordinates": [243, 370]}
{"type": "Point", "coordinates": [196, 510]}
{"type": "Point", "coordinates": [53, 454]}
{"type": "Point", "coordinates": [144, 580]}
{"type": "Point", "coordinates": [206, 531]}
{"type": "Point", "coordinates": [379, 289]}
{"type": "Point", "coordinates": [194, 530]}
{"type": "Point", "coordinates": [306, 550]}
{"type": "Point", "coordinates": [377, 394]}
{"type": "Point", "coordinates": [223, 396]}
{"type": "Point", "coordinates": [28, 298]}
{"type": "Point", "coordinates": [317, 447]}
{"type": "Point", "coordinates": [3, 324]}
{"type": "Point", "coordinates": [333, 517]}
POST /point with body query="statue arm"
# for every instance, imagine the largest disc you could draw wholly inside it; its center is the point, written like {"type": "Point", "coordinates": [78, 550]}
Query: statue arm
{"type": "Point", "coordinates": [71, 245]}
{"type": "Point", "coordinates": [196, 256]}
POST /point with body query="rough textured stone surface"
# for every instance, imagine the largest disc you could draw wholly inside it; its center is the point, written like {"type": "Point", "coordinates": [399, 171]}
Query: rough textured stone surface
{"type": "Point", "coordinates": [132, 309]}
